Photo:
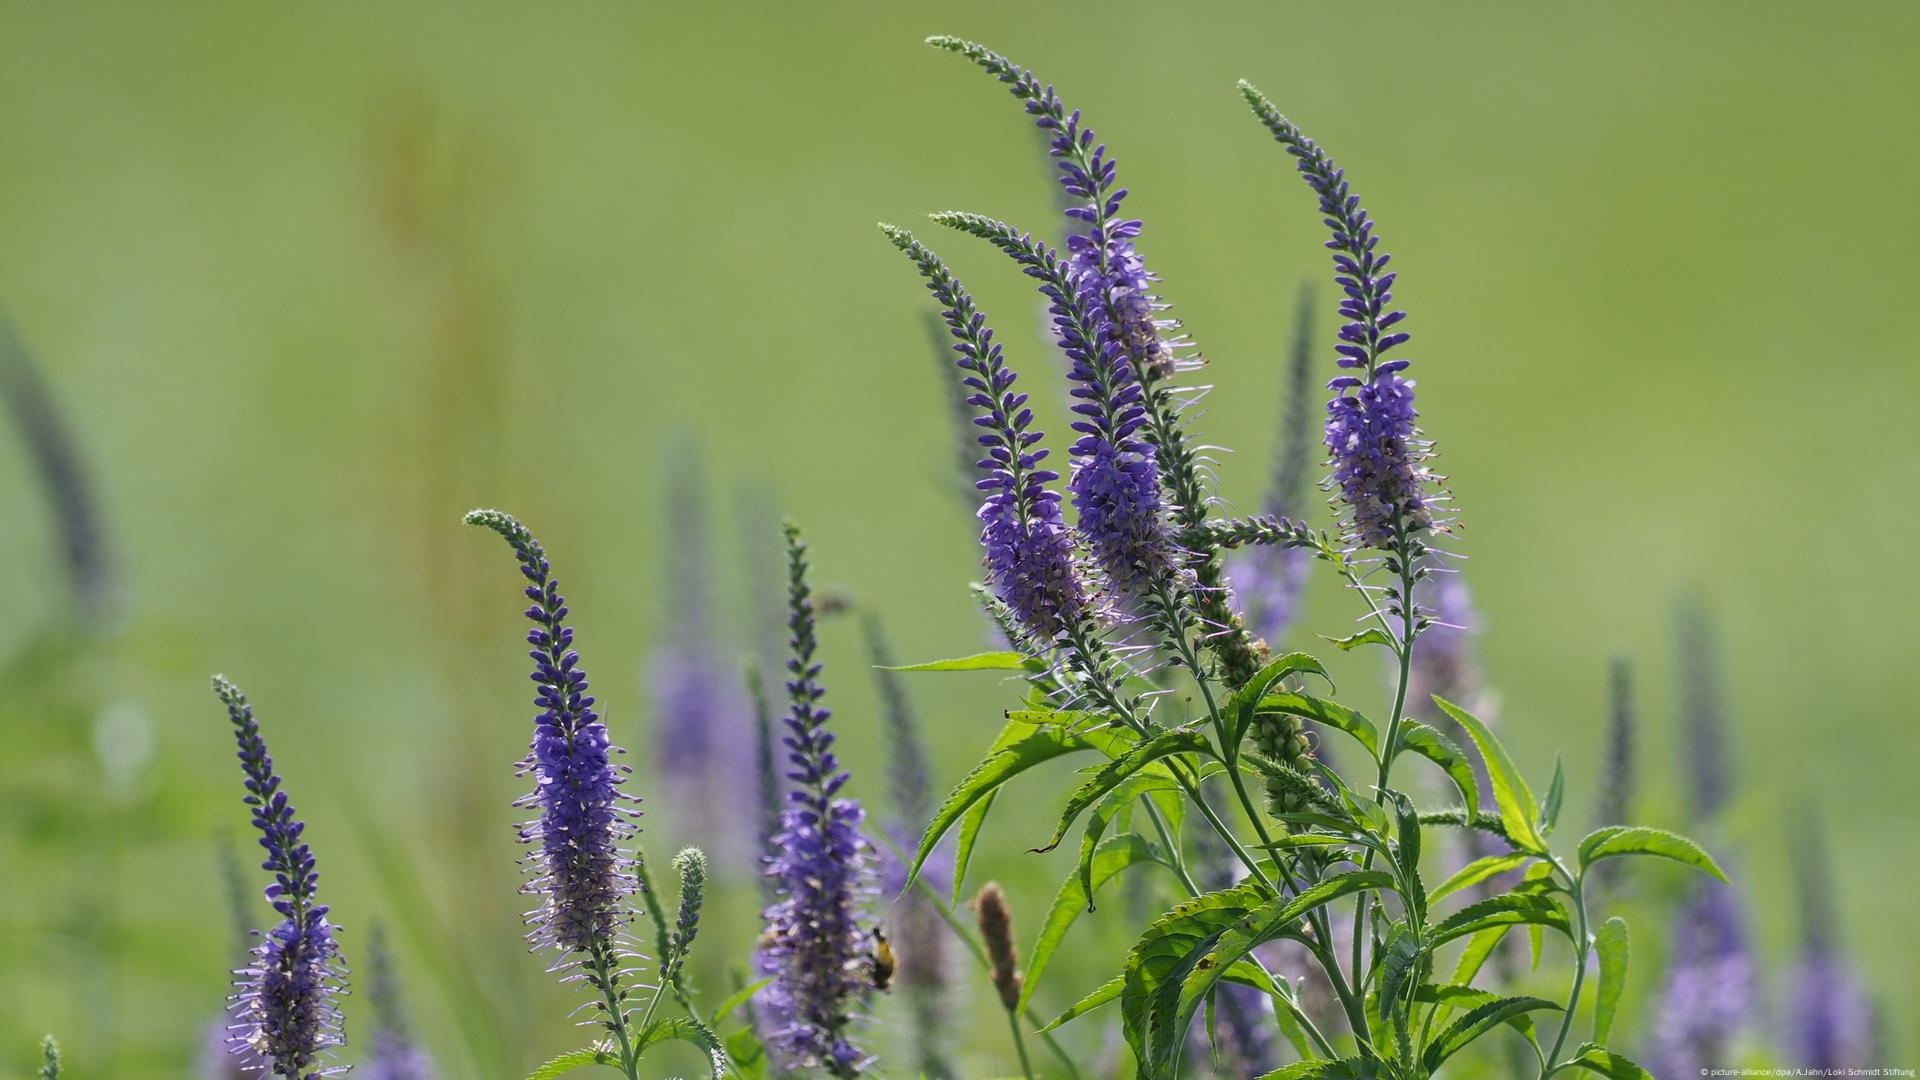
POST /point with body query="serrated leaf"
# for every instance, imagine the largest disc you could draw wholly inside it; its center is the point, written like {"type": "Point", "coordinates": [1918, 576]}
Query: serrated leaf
{"type": "Point", "coordinates": [1407, 833]}
{"type": "Point", "coordinates": [1444, 752]}
{"type": "Point", "coordinates": [970, 826]}
{"type": "Point", "coordinates": [1556, 793]}
{"type": "Point", "coordinates": [1018, 748]}
{"type": "Point", "coordinates": [1223, 943]}
{"type": "Point", "coordinates": [1510, 791]}
{"type": "Point", "coordinates": [574, 1059]}
{"type": "Point", "coordinates": [1617, 840]}
{"type": "Point", "coordinates": [1075, 719]}
{"type": "Point", "coordinates": [1509, 910]}
{"type": "Point", "coordinates": [1611, 946]}
{"type": "Point", "coordinates": [1474, 956]}
{"type": "Point", "coordinates": [1108, 776]}
{"type": "Point", "coordinates": [1372, 635]}
{"type": "Point", "coordinates": [1329, 713]}
{"type": "Point", "coordinates": [1076, 895]}
{"type": "Point", "coordinates": [1352, 1068]}
{"type": "Point", "coordinates": [1401, 962]}
{"type": "Point", "coordinates": [987, 661]}
{"type": "Point", "coordinates": [1104, 993]}
{"type": "Point", "coordinates": [684, 1029]}
{"type": "Point", "coordinates": [1115, 802]}
{"type": "Point", "coordinates": [1608, 1064]}
{"type": "Point", "coordinates": [1478, 871]}
{"type": "Point", "coordinates": [1476, 1023]}
{"type": "Point", "coordinates": [1157, 965]}
{"type": "Point", "coordinates": [1240, 707]}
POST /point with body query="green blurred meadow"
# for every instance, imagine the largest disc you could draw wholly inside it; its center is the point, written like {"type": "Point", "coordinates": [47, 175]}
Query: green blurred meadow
{"type": "Point", "coordinates": [310, 284]}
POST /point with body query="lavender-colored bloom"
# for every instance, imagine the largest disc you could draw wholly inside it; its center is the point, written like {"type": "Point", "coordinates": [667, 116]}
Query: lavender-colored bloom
{"type": "Point", "coordinates": [286, 1020]}
{"type": "Point", "coordinates": [1268, 578]}
{"type": "Point", "coordinates": [1116, 482]}
{"type": "Point", "coordinates": [1832, 1020]}
{"type": "Point", "coordinates": [582, 879]}
{"type": "Point", "coordinates": [395, 1055]}
{"type": "Point", "coordinates": [769, 787]}
{"type": "Point", "coordinates": [1709, 994]}
{"type": "Point", "coordinates": [817, 948]}
{"type": "Point", "coordinates": [1029, 553]}
{"type": "Point", "coordinates": [1379, 458]}
{"type": "Point", "coordinates": [695, 704]}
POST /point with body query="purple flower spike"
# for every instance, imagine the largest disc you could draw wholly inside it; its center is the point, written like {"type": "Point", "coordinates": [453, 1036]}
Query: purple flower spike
{"type": "Point", "coordinates": [1268, 578]}
{"type": "Point", "coordinates": [395, 1055]}
{"type": "Point", "coordinates": [1379, 458]}
{"type": "Point", "coordinates": [1029, 553]}
{"type": "Point", "coordinates": [583, 880]}
{"type": "Point", "coordinates": [286, 1020]}
{"type": "Point", "coordinates": [816, 946]}
{"type": "Point", "coordinates": [1832, 1026]}
{"type": "Point", "coordinates": [1709, 996]}
{"type": "Point", "coordinates": [1116, 481]}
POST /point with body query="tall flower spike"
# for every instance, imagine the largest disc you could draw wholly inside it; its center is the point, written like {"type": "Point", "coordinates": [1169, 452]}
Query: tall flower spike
{"type": "Point", "coordinates": [1379, 457]}
{"type": "Point", "coordinates": [817, 948]}
{"type": "Point", "coordinates": [1703, 710]}
{"type": "Point", "coordinates": [1268, 578]}
{"type": "Point", "coordinates": [395, 1055]}
{"type": "Point", "coordinates": [286, 1020]}
{"type": "Point", "coordinates": [1104, 251]}
{"type": "Point", "coordinates": [583, 881]}
{"type": "Point", "coordinates": [1116, 482]}
{"type": "Point", "coordinates": [1708, 1001]}
{"type": "Point", "coordinates": [919, 937]}
{"type": "Point", "coordinates": [1029, 553]}
{"type": "Point", "coordinates": [1832, 1027]}
{"type": "Point", "coordinates": [769, 790]}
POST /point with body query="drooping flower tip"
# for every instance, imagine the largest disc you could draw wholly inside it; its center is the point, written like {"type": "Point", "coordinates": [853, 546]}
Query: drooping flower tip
{"type": "Point", "coordinates": [995, 919]}
{"type": "Point", "coordinates": [579, 873]}
{"type": "Point", "coordinates": [816, 945]}
{"type": "Point", "coordinates": [1029, 551]}
{"type": "Point", "coordinates": [286, 1019]}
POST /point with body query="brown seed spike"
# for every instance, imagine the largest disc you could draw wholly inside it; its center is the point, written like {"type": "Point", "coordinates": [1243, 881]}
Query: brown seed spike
{"type": "Point", "coordinates": [996, 929]}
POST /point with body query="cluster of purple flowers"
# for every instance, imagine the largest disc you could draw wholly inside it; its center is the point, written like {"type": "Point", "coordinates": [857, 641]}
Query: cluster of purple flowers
{"type": "Point", "coordinates": [815, 946]}
{"type": "Point", "coordinates": [286, 1018]}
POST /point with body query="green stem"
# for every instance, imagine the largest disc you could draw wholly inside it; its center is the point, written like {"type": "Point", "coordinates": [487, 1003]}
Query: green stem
{"type": "Point", "coordinates": [606, 977]}
{"type": "Point", "coordinates": [1019, 1044]}
{"type": "Point", "coordinates": [1577, 889]}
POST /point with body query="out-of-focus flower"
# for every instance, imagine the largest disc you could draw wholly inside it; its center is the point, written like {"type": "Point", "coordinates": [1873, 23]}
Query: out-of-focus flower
{"type": "Point", "coordinates": [395, 1055]}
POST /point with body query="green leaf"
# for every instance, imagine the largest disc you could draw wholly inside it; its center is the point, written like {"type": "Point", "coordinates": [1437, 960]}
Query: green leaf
{"type": "Point", "coordinates": [1615, 840]}
{"type": "Point", "coordinates": [1611, 945]}
{"type": "Point", "coordinates": [576, 1059]}
{"type": "Point", "coordinates": [1510, 791]}
{"type": "Point", "coordinates": [748, 1053]}
{"type": "Point", "coordinates": [1104, 814]}
{"type": "Point", "coordinates": [1352, 1068]}
{"type": "Point", "coordinates": [1106, 992]}
{"type": "Point", "coordinates": [738, 998]}
{"type": "Point", "coordinates": [1476, 1023]}
{"type": "Point", "coordinates": [1556, 793]}
{"type": "Point", "coordinates": [1407, 831]}
{"type": "Point", "coordinates": [1509, 910]}
{"type": "Point", "coordinates": [1241, 706]}
{"type": "Point", "coordinates": [1479, 947]}
{"type": "Point", "coordinates": [1401, 964]}
{"type": "Point", "coordinates": [1478, 871]}
{"type": "Point", "coordinates": [684, 1029]}
{"type": "Point", "coordinates": [1019, 747]}
{"type": "Point", "coordinates": [1224, 942]}
{"type": "Point", "coordinates": [1442, 751]}
{"type": "Point", "coordinates": [1158, 964]}
{"type": "Point", "coordinates": [970, 827]}
{"type": "Point", "coordinates": [1075, 719]}
{"type": "Point", "coordinates": [1305, 839]}
{"type": "Point", "coordinates": [1076, 895]}
{"type": "Point", "coordinates": [986, 661]}
{"type": "Point", "coordinates": [1372, 635]}
{"type": "Point", "coordinates": [1321, 711]}
{"type": "Point", "coordinates": [1608, 1064]}
{"type": "Point", "coordinates": [1113, 772]}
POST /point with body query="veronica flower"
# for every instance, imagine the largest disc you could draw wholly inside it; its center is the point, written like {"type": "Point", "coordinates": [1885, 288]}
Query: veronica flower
{"type": "Point", "coordinates": [1709, 993]}
{"type": "Point", "coordinates": [1116, 482]}
{"type": "Point", "coordinates": [1832, 1025]}
{"type": "Point", "coordinates": [286, 1020]}
{"type": "Point", "coordinates": [1703, 710]}
{"type": "Point", "coordinates": [695, 703]}
{"type": "Point", "coordinates": [583, 881]}
{"type": "Point", "coordinates": [817, 949]}
{"type": "Point", "coordinates": [1379, 458]}
{"type": "Point", "coordinates": [1029, 553]}
{"type": "Point", "coordinates": [1268, 578]}
{"type": "Point", "coordinates": [769, 789]}
{"type": "Point", "coordinates": [395, 1055]}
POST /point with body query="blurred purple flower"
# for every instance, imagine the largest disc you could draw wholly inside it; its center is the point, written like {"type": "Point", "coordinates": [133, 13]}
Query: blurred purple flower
{"type": "Point", "coordinates": [1709, 995]}
{"type": "Point", "coordinates": [1833, 1021]}
{"type": "Point", "coordinates": [286, 1020]}
{"type": "Point", "coordinates": [1268, 578]}
{"type": "Point", "coordinates": [816, 947]}
{"type": "Point", "coordinates": [395, 1055]}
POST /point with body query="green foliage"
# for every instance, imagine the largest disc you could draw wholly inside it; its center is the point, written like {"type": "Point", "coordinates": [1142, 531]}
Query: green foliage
{"type": "Point", "coordinates": [1477, 1022]}
{"type": "Point", "coordinates": [1616, 840]}
{"type": "Point", "coordinates": [49, 1059]}
{"type": "Point", "coordinates": [1108, 776]}
{"type": "Point", "coordinates": [1110, 859]}
{"type": "Point", "coordinates": [1510, 791]}
{"type": "Point", "coordinates": [1610, 943]}
{"type": "Point", "coordinates": [575, 1059]}
{"type": "Point", "coordinates": [987, 661]}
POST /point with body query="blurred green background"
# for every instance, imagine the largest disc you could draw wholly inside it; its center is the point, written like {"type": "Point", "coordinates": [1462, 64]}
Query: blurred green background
{"type": "Point", "coordinates": [309, 285]}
